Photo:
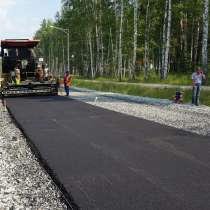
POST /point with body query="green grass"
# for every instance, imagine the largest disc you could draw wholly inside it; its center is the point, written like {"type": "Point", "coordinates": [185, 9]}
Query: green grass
{"type": "Point", "coordinates": [162, 93]}
{"type": "Point", "coordinates": [173, 79]}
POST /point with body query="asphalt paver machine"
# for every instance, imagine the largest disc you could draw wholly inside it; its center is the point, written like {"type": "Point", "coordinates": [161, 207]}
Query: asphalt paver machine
{"type": "Point", "coordinates": [19, 53]}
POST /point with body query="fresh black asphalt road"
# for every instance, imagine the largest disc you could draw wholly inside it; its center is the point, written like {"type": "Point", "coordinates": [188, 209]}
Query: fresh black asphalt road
{"type": "Point", "coordinates": [110, 161]}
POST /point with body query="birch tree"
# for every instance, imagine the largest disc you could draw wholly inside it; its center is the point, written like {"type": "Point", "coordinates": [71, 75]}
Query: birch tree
{"type": "Point", "coordinates": [135, 34]}
{"type": "Point", "coordinates": [91, 55]}
{"type": "Point", "coordinates": [146, 42]}
{"type": "Point", "coordinates": [116, 56]}
{"type": "Point", "coordinates": [205, 35]}
{"type": "Point", "coordinates": [107, 36]}
{"type": "Point", "coordinates": [166, 39]}
{"type": "Point", "coordinates": [120, 40]}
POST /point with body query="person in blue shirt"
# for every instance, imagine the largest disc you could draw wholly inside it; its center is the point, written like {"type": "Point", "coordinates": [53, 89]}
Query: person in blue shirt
{"type": "Point", "coordinates": [197, 78]}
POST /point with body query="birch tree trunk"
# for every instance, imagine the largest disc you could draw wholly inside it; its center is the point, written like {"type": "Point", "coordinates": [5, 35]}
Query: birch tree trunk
{"type": "Point", "coordinates": [120, 41]}
{"type": "Point", "coordinates": [195, 41]}
{"type": "Point", "coordinates": [116, 56]}
{"type": "Point", "coordinates": [56, 67]}
{"type": "Point", "coordinates": [146, 42]}
{"type": "Point", "coordinates": [164, 40]}
{"type": "Point", "coordinates": [135, 38]}
{"type": "Point", "coordinates": [167, 47]}
{"type": "Point", "coordinates": [52, 60]}
{"type": "Point", "coordinates": [184, 41]}
{"type": "Point", "coordinates": [196, 44]}
{"type": "Point", "coordinates": [91, 54]}
{"type": "Point", "coordinates": [192, 41]}
{"type": "Point", "coordinates": [63, 60]}
{"type": "Point", "coordinates": [97, 49]}
{"type": "Point", "coordinates": [102, 55]}
{"type": "Point", "coordinates": [205, 36]}
{"type": "Point", "coordinates": [49, 59]}
{"type": "Point", "coordinates": [112, 52]}
{"type": "Point", "coordinates": [168, 39]}
{"type": "Point", "coordinates": [101, 42]}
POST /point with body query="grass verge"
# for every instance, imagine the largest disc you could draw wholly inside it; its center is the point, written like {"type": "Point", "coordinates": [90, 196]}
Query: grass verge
{"type": "Point", "coordinates": [162, 93]}
{"type": "Point", "coordinates": [172, 79]}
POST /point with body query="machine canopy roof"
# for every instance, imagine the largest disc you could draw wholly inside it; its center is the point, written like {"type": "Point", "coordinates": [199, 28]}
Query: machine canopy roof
{"type": "Point", "coordinates": [19, 43]}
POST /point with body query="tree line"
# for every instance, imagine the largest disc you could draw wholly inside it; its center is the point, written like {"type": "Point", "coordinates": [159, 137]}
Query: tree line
{"type": "Point", "coordinates": [125, 38]}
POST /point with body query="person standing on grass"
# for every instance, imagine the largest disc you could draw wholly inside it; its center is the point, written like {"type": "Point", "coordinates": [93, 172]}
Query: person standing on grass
{"type": "Point", "coordinates": [67, 82]}
{"type": "Point", "coordinates": [197, 78]}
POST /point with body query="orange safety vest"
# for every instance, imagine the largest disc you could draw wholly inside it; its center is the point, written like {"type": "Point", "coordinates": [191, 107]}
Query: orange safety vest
{"type": "Point", "coordinates": [67, 81]}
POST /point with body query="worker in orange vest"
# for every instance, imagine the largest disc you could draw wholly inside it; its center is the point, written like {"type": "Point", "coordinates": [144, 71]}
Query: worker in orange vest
{"type": "Point", "coordinates": [67, 82]}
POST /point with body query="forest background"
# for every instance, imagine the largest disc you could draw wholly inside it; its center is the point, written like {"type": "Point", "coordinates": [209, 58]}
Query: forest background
{"type": "Point", "coordinates": [136, 40]}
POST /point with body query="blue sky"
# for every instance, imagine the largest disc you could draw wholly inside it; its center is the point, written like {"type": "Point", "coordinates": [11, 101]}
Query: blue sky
{"type": "Point", "coordinates": [21, 18]}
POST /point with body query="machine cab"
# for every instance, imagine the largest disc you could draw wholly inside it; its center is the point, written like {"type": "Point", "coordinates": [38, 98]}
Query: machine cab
{"type": "Point", "coordinates": [18, 53]}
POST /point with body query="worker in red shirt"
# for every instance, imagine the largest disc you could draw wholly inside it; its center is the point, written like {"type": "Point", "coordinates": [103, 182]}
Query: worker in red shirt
{"type": "Point", "coordinates": [67, 82]}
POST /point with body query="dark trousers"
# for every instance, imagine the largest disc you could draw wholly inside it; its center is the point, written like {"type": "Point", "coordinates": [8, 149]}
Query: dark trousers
{"type": "Point", "coordinates": [67, 90]}
{"type": "Point", "coordinates": [196, 94]}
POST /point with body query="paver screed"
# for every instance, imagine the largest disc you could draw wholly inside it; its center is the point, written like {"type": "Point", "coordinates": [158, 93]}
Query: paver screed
{"type": "Point", "coordinates": [110, 161]}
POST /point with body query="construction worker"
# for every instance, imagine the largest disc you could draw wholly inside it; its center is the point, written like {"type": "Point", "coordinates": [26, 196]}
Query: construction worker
{"type": "Point", "coordinates": [12, 76]}
{"type": "Point", "coordinates": [178, 98]}
{"type": "Point", "coordinates": [17, 76]}
{"type": "Point", "coordinates": [67, 82]}
{"type": "Point", "coordinates": [39, 74]}
{"type": "Point", "coordinates": [46, 72]}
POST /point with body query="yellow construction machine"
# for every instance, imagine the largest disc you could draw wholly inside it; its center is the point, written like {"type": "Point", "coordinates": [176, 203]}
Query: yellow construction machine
{"type": "Point", "coordinates": [21, 72]}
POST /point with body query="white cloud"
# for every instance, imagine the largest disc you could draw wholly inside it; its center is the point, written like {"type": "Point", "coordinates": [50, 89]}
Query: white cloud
{"type": "Point", "coordinates": [5, 5]}
{"type": "Point", "coordinates": [11, 27]}
{"type": "Point", "coordinates": [22, 18]}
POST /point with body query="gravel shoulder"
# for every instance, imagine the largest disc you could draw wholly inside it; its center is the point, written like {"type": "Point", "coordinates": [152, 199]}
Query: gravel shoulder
{"type": "Point", "coordinates": [183, 116]}
{"type": "Point", "coordinates": [24, 184]}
